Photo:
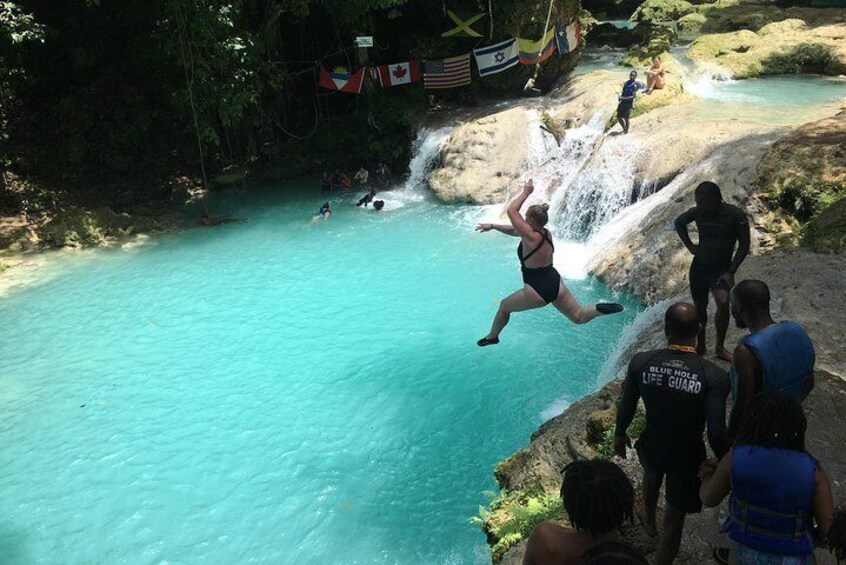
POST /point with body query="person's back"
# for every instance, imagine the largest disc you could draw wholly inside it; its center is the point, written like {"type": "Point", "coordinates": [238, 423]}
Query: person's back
{"type": "Point", "coordinates": [771, 502]}
{"type": "Point", "coordinates": [674, 385]}
{"type": "Point", "coordinates": [786, 356]}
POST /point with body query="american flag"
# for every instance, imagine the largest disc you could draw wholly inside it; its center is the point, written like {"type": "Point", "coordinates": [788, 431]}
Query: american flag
{"type": "Point", "coordinates": [447, 73]}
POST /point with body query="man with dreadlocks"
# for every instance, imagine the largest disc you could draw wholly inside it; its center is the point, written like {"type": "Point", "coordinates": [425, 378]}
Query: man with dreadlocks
{"type": "Point", "coordinates": [773, 356]}
{"type": "Point", "coordinates": [776, 487]}
{"type": "Point", "coordinates": [681, 391]}
{"type": "Point", "coordinates": [598, 497]}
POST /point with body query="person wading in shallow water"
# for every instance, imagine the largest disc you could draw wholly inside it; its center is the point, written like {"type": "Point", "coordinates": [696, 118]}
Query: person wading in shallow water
{"type": "Point", "coordinates": [542, 283]}
{"type": "Point", "coordinates": [720, 227]}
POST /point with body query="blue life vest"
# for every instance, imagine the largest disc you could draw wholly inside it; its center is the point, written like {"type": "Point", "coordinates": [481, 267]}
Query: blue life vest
{"type": "Point", "coordinates": [630, 87]}
{"type": "Point", "coordinates": [771, 501]}
{"type": "Point", "coordinates": [786, 355]}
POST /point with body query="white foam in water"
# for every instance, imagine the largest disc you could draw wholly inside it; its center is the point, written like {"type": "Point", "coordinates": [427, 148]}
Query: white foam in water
{"type": "Point", "coordinates": [706, 80]}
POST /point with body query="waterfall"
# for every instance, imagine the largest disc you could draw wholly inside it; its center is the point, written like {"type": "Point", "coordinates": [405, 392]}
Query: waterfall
{"type": "Point", "coordinates": [586, 183]}
{"type": "Point", "coordinates": [425, 153]}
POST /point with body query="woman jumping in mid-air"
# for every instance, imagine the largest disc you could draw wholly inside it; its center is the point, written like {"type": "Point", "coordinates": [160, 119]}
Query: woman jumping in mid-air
{"type": "Point", "coordinates": [543, 284]}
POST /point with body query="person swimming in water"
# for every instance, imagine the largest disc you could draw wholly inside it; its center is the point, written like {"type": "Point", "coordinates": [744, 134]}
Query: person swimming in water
{"type": "Point", "coordinates": [324, 212]}
{"type": "Point", "coordinates": [367, 198]}
{"type": "Point", "coordinates": [542, 283]}
{"type": "Point", "coordinates": [378, 205]}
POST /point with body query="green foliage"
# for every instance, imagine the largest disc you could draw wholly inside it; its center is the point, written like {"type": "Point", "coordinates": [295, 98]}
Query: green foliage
{"type": "Point", "coordinates": [804, 198]}
{"type": "Point", "coordinates": [827, 232]}
{"type": "Point", "coordinates": [18, 26]}
{"type": "Point", "coordinates": [510, 517]}
{"type": "Point", "coordinates": [605, 449]}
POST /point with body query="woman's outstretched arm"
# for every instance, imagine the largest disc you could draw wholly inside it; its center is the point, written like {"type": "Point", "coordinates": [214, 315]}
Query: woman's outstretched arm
{"type": "Point", "coordinates": [524, 229]}
{"type": "Point", "coordinates": [502, 228]}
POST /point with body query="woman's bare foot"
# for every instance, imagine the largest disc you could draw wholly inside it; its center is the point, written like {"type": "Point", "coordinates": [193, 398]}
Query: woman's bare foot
{"type": "Point", "coordinates": [722, 353]}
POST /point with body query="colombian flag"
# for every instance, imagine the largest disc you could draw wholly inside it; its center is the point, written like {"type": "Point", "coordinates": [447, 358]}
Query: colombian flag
{"type": "Point", "coordinates": [533, 52]}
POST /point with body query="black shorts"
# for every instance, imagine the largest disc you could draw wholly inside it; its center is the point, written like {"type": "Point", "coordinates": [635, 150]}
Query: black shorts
{"type": "Point", "coordinates": [624, 108]}
{"type": "Point", "coordinates": [678, 465]}
{"type": "Point", "coordinates": [703, 282]}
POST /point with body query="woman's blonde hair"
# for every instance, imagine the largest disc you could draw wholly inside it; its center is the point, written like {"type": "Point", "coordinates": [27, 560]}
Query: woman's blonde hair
{"type": "Point", "coordinates": [537, 214]}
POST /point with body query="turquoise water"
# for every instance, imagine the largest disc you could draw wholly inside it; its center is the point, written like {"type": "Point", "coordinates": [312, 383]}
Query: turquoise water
{"type": "Point", "coordinates": [277, 392]}
{"type": "Point", "coordinates": [772, 100]}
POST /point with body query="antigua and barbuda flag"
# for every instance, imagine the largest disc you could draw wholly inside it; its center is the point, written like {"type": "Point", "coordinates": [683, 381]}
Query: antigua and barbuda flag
{"type": "Point", "coordinates": [396, 74]}
{"type": "Point", "coordinates": [496, 58]}
{"type": "Point", "coordinates": [341, 79]}
{"type": "Point", "coordinates": [533, 52]}
{"type": "Point", "coordinates": [568, 37]}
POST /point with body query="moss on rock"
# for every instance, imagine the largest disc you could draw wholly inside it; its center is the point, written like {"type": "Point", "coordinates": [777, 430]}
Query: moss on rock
{"type": "Point", "coordinates": [656, 43]}
{"type": "Point", "coordinates": [662, 10]}
{"type": "Point", "coordinates": [800, 179]}
{"type": "Point", "coordinates": [785, 47]}
{"type": "Point", "coordinates": [692, 22]}
{"type": "Point", "coordinates": [827, 232]}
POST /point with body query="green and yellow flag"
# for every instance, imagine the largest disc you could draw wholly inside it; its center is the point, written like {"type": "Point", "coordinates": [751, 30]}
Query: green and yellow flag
{"type": "Point", "coordinates": [463, 21]}
{"type": "Point", "coordinates": [533, 52]}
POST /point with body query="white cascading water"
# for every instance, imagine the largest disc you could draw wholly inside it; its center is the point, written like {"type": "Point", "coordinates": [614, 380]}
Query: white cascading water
{"type": "Point", "coordinates": [425, 151]}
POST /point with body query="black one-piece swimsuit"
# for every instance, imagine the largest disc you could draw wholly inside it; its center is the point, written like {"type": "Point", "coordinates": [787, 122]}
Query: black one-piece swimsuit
{"type": "Point", "coordinates": [544, 280]}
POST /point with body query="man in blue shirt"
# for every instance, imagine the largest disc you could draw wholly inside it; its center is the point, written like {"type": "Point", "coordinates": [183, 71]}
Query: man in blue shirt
{"type": "Point", "coordinates": [624, 108]}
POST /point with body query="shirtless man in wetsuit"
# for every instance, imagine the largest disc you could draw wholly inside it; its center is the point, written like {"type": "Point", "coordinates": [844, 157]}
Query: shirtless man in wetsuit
{"type": "Point", "coordinates": [681, 391]}
{"type": "Point", "coordinates": [721, 226]}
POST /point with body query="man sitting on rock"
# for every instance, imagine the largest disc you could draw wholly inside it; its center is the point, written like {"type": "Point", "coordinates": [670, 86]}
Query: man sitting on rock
{"type": "Point", "coordinates": [680, 391]}
{"type": "Point", "coordinates": [598, 497]}
{"type": "Point", "coordinates": [773, 356]}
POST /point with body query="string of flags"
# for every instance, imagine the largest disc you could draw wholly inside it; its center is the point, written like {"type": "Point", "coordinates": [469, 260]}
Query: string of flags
{"type": "Point", "coordinates": [455, 71]}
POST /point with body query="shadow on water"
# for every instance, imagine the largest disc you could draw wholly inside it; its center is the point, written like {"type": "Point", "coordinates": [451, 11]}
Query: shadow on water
{"type": "Point", "coordinates": [12, 545]}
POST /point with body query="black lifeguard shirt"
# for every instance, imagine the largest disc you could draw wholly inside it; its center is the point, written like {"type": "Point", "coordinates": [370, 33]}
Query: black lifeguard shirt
{"type": "Point", "coordinates": [680, 391]}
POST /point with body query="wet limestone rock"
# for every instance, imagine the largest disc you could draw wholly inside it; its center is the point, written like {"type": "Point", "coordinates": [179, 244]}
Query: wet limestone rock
{"type": "Point", "coordinates": [483, 160]}
{"type": "Point", "coordinates": [662, 10]}
{"type": "Point", "coordinates": [692, 22]}
{"type": "Point", "coordinates": [658, 42]}
{"type": "Point", "coordinates": [733, 15]}
{"type": "Point", "coordinates": [785, 47]}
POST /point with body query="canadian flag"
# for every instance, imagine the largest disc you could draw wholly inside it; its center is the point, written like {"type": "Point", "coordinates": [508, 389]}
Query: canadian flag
{"type": "Point", "coordinates": [396, 74]}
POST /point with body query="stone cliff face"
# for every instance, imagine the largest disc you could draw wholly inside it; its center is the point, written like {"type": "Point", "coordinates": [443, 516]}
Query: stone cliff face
{"type": "Point", "coordinates": [482, 160]}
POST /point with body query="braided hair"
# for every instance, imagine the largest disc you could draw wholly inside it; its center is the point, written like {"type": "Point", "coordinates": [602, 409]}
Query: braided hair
{"type": "Point", "coordinates": [597, 495]}
{"type": "Point", "coordinates": [772, 419]}
{"type": "Point", "coordinates": [612, 553]}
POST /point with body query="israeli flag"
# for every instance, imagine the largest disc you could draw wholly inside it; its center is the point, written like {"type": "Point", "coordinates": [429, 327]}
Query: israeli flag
{"type": "Point", "coordinates": [496, 58]}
